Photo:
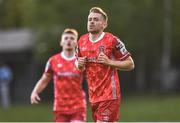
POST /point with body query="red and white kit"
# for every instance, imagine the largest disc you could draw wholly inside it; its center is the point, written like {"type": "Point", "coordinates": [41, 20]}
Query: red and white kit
{"type": "Point", "coordinates": [68, 93]}
{"type": "Point", "coordinates": [103, 81]}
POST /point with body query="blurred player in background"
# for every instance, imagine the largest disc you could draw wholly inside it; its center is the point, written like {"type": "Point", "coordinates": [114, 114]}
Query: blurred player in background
{"type": "Point", "coordinates": [100, 54]}
{"type": "Point", "coordinates": [69, 97]}
{"type": "Point", "coordinates": [6, 76]}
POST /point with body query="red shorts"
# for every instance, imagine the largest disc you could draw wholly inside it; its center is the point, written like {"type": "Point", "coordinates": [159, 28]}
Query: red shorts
{"type": "Point", "coordinates": [106, 111]}
{"type": "Point", "coordinates": [72, 116]}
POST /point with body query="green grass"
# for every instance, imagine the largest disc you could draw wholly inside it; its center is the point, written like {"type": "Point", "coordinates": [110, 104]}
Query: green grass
{"type": "Point", "coordinates": [141, 108]}
{"type": "Point", "coordinates": [153, 109]}
{"type": "Point", "coordinates": [27, 113]}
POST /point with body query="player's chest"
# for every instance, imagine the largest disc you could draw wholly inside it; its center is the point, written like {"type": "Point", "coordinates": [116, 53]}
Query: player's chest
{"type": "Point", "coordinates": [63, 66]}
{"type": "Point", "coordinates": [65, 69]}
{"type": "Point", "coordinates": [93, 49]}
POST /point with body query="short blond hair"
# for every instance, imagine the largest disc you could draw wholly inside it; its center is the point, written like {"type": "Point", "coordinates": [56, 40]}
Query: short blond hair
{"type": "Point", "coordinates": [70, 31]}
{"type": "Point", "coordinates": [100, 11]}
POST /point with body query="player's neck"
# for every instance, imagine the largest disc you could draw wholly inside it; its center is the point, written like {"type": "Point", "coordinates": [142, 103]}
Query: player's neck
{"type": "Point", "coordinates": [68, 54]}
{"type": "Point", "coordinates": [94, 37]}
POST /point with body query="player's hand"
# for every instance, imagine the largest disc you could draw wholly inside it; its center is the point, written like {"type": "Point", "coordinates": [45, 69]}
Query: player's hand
{"type": "Point", "coordinates": [81, 62]}
{"type": "Point", "coordinates": [35, 98]}
{"type": "Point", "coordinates": [103, 59]}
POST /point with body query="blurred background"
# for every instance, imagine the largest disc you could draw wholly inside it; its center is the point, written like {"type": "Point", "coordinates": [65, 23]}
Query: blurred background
{"type": "Point", "coordinates": [30, 32]}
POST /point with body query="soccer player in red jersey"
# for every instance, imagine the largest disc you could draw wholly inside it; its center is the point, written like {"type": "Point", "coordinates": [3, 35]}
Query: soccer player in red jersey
{"type": "Point", "coordinates": [100, 54]}
{"type": "Point", "coordinates": [69, 97]}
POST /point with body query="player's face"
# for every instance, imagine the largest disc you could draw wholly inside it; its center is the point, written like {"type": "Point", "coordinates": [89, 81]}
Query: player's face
{"type": "Point", "coordinates": [68, 41]}
{"type": "Point", "coordinates": [95, 23]}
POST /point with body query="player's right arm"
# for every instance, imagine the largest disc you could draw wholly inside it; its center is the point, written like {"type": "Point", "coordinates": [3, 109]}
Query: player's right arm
{"type": "Point", "coordinates": [42, 83]}
{"type": "Point", "coordinates": [39, 87]}
{"type": "Point", "coordinates": [80, 61]}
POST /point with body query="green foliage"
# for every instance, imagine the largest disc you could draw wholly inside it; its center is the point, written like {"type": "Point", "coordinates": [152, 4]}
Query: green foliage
{"type": "Point", "coordinates": [139, 24]}
{"type": "Point", "coordinates": [175, 34]}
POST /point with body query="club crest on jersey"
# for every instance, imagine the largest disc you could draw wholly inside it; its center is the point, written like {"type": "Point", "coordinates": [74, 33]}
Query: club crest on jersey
{"type": "Point", "coordinates": [101, 49]}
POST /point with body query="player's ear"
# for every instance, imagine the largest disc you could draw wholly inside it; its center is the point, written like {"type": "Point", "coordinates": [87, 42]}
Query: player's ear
{"type": "Point", "coordinates": [105, 24]}
{"type": "Point", "coordinates": [75, 43]}
{"type": "Point", "coordinates": [61, 40]}
{"type": "Point", "coordinates": [61, 43]}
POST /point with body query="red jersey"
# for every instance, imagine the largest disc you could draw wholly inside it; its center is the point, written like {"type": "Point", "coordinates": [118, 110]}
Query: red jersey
{"type": "Point", "coordinates": [68, 93]}
{"type": "Point", "coordinates": [103, 81]}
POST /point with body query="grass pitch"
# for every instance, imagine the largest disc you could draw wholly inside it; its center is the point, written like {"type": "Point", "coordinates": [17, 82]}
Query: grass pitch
{"type": "Point", "coordinates": [135, 108]}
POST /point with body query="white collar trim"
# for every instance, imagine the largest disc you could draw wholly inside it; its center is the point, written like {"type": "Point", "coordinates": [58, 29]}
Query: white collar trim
{"type": "Point", "coordinates": [66, 58]}
{"type": "Point", "coordinates": [98, 39]}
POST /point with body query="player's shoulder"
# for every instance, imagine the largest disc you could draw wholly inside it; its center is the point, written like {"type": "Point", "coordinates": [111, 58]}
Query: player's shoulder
{"type": "Point", "coordinates": [55, 56]}
{"type": "Point", "coordinates": [110, 35]}
{"type": "Point", "coordinates": [84, 37]}
{"type": "Point", "coordinates": [114, 39]}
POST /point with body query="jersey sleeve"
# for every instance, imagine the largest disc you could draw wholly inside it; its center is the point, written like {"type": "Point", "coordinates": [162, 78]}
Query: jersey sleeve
{"type": "Point", "coordinates": [120, 51]}
{"type": "Point", "coordinates": [48, 68]}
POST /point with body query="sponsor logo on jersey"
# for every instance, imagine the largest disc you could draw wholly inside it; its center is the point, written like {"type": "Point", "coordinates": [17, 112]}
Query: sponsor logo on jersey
{"type": "Point", "coordinates": [59, 65]}
{"type": "Point", "coordinates": [92, 59]}
{"type": "Point", "coordinates": [67, 74]}
{"type": "Point", "coordinates": [101, 49]}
